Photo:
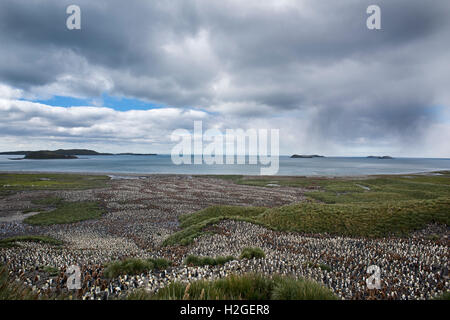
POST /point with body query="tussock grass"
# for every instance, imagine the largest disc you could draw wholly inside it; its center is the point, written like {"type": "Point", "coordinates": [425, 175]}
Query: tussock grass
{"type": "Point", "coordinates": [131, 266]}
{"type": "Point", "coordinates": [376, 206]}
{"type": "Point", "coordinates": [444, 296]}
{"type": "Point", "coordinates": [221, 212]}
{"type": "Point", "coordinates": [52, 271]}
{"type": "Point", "coordinates": [67, 212]}
{"type": "Point", "coordinates": [12, 241]}
{"type": "Point", "coordinates": [48, 201]}
{"type": "Point", "coordinates": [13, 182]}
{"type": "Point", "coordinates": [243, 287]}
{"type": "Point", "coordinates": [252, 253]}
{"type": "Point", "coordinates": [397, 218]}
{"type": "Point", "coordinates": [192, 260]}
{"type": "Point", "coordinates": [193, 225]}
{"type": "Point", "coordinates": [134, 266]}
{"type": "Point", "coordinates": [300, 289]}
{"type": "Point", "coordinates": [12, 290]}
{"type": "Point", "coordinates": [160, 263]}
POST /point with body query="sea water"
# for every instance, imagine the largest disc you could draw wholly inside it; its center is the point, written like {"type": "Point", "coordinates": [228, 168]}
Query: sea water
{"type": "Point", "coordinates": [162, 164]}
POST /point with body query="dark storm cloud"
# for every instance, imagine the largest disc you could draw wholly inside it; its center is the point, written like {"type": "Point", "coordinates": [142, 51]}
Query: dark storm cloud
{"type": "Point", "coordinates": [253, 59]}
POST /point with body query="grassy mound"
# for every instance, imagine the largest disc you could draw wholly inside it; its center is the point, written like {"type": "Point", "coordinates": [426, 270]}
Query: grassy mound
{"type": "Point", "coordinates": [160, 263]}
{"type": "Point", "coordinates": [376, 206]}
{"type": "Point", "coordinates": [12, 182]}
{"type": "Point", "coordinates": [444, 296]}
{"type": "Point", "coordinates": [134, 266]}
{"type": "Point", "coordinates": [193, 225]}
{"type": "Point", "coordinates": [300, 289]}
{"type": "Point", "coordinates": [244, 287]}
{"type": "Point", "coordinates": [252, 253]}
{"type": "Point", "coordinates": [203, 261]}
{"type": "Point", "coordinates": [11, 242]}
{"type": "Point", "coordinates": [397, 218]}
{"type": "Point", "coordinates": [66, 212]}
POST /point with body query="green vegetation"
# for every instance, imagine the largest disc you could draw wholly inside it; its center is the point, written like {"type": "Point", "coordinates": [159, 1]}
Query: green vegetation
{"type": "Point", "coordinates": [375, 206]}
{"type": "Point", "coordinates": [11, 182]}
{"type": "Point", "coordinates": [301, 289]}
{"type": "Point", "coordinates": [67, 212]}
{"type": "Point", "coordinates": [318, 265]}
{"type": "Point", "coordinates": [48, 201]}
{"type": "Point", "coordinates": [444, 296]}
{"type": "Point", "coordinates": [404, 186]}
{"type": "Point", "coordinates": [193, 225]}
{"type": "Point", "coordinates": [30, 210]}
{"type": "Point", "coordinates": [11, 242]}
{"type": "Point", "coordinates": [192, 260]}
{"type": "Point", "coordinates": [397, 218]}
{"type": "Point", "coordinates": [52, 271]}
{"type": "Point", "coordinates": [252, 253]}
{"type": "Point", "coordinates": [244, 287]}
{"type": "Point", "coordinates": [12, 290]}
{"type": "Point", "coordinates": [131, 266]}
{"type": "Point", "coordinates": [134, 266]}
{"type": "Point", "coordinates": [247, 253]}
{"type": "Point", "coordinates": [160, 263]}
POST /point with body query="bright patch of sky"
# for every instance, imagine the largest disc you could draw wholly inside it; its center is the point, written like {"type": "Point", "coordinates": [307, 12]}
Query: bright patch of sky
{"type": "Point", "coordinates": [108, 101]}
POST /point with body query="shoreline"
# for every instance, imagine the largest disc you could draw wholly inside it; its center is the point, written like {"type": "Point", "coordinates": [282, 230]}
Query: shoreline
{"type": "Point", "coordinates": [134, 174]}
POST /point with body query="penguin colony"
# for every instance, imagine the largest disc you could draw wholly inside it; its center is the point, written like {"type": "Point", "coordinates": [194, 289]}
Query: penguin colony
{"type": "Point", "coordinates": [142, 212]}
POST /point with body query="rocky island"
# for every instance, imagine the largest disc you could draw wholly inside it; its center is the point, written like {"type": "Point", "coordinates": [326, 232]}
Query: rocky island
{"type": "Point", "coordinates": [65, 154]}
{"type": "Point", "coordinates": [379, 157]}
{"type": "Point", "coordinates": [303, 156]}
{"type": "Point", "coordinates": [38, 155]}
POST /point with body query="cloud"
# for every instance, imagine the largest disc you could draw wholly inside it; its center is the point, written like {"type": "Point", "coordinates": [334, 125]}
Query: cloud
{"type": "Point", "coordinates": [311, 67]}
{"type": "Point", "coordinates": [27, 119]}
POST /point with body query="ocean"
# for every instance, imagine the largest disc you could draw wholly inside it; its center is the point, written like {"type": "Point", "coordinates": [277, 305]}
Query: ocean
{"type": "Point", "coordinates": [162, 164]}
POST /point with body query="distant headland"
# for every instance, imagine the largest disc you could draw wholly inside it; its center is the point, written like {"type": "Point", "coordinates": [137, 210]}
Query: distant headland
{"type": "Point", "coordinates": [379, 157]}
{"type": "Point", "coordinates": [302, 156]}
{"type": "Point", "coordinates": [64, 154]}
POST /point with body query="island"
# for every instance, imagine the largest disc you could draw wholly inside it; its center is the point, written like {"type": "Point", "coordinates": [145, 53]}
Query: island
{"type": "Point", "coordinates": [379, 157]}
{"type": "Point", "coordinates": [135, 154]}
{"type": "Point", "coordinates": [303, 156]}
{"type": "Point", "coordinates": [48, 155]}
{"type": "Point", "coordinates": [65, 154]}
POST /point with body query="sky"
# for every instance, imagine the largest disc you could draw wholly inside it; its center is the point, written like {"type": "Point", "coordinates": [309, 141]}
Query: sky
{"type": "Point", "coordinates": [138, 70]}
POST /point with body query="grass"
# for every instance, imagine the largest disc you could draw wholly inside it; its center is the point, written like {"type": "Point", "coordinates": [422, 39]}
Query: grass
{"type": "Point", "coordinates": [390, 218]}
{"type": "Point", "coordinates": [318, 265]}
{"type": "Point", "coordinates": [376, 206]}
{"type": "Point", "coordinates": [443, 296]}
{"type": "Point", "coordinates": [12, 290]}
{"type": "Point", "coordinates": [160, 263]}
{"type": "Point", "coordinates": [67, 212]}
{"type": "Point", "coordinates": [12, 182]}
{"type": "Point", "coordinates": [134, 266]}
{"type": "Point", "coordinates": [300, 289]}
{"type": "Point", "coordinates": [11, 242]}
{"type": "Point", "coordinates": [243, 287]}
{"type": "Point", "coordinates": [193, 225]}
{"type": "Point", "coordinates": [48, 201]}
{"type": "Point", "coordinates": [196, 261]}
{"type": "Point", "coordinates": [252, 253]}
{"type": "Point", "coordinates": [52, 271]}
